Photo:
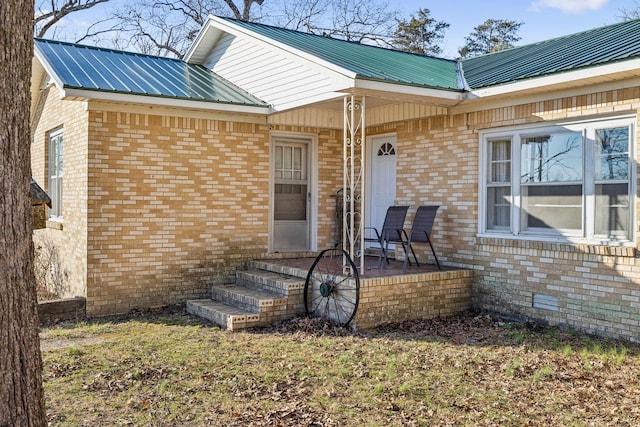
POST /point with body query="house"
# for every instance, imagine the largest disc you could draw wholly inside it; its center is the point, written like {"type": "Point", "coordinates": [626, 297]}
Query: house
{"type": "Point", "coordinates": [176, 173]}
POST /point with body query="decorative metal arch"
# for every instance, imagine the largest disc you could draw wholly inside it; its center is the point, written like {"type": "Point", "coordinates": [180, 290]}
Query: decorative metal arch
{"type": "Point", "coordinates": [353, 181]}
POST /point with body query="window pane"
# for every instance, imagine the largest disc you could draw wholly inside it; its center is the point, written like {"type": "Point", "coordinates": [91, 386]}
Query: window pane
{"type": "Point", "coordinates": [552, 207]}
{"type": "Point", "coordinates": [500, 161]}
{"type": "Point", "coordinates": [612, 153]}
{"type": "Point", "coordinates": [498, 207]}
{"type": "Point", "coordinates": [59, 156]}
{"type": "Point", "coordinates": [288, 162]}
{"type": "Point", "coordinates": [612, 210]}
{"type": "Point", "coordinates": [552, 158]}
{"type": "Point", "coordinates": [55, 173]}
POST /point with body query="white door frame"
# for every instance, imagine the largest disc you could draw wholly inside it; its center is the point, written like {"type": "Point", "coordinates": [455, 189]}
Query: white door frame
{"type": "Point", "coordinates": [311, 140]}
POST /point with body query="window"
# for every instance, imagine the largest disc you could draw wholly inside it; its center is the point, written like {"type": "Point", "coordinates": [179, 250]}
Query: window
{"type": "Point", "coordinates": [570, 181]}
{"type": "Point", "coordinates": [55, 173]}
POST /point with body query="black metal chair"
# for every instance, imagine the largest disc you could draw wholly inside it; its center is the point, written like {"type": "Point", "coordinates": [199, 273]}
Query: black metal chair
{"type": "Point", "coordinates": [392, 231]}
{"type": "Point", "coordinates": [421, 232]}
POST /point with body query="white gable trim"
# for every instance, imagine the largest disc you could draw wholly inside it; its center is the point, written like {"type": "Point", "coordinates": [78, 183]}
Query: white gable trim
{"type": "Point", "coordinates": [47, 68]}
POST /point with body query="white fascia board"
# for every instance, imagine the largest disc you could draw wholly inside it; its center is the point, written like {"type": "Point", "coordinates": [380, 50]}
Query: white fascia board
{"type": "Point", "coordinates": [560, 78]}
{"type": "Point", "coordinates": [165, 102]}
{"type": "Point", "coordinates": [204, 41]}
{"type": "Point", "coordinates": [448, 96]}
{"type": "Point", "coordinates": [47, 67]}
{"type": "Point", "coordinates": [231, 28]}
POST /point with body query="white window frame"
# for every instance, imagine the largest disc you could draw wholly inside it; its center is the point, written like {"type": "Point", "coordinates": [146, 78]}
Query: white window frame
{"type": "Point", "coordinates": [55, 147]}
{"type": "Point", "coordinates": [587, 233]}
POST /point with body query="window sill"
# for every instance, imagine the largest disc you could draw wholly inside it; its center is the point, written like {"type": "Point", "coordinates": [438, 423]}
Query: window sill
{"type": "Point", "coordinates": [54, 224]}
{"type": "Point", "coordinates": [622, 249]}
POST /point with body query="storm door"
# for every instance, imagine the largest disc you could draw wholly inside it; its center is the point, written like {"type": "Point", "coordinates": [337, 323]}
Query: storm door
{"type": "Point", "coordinates": [291, 196]}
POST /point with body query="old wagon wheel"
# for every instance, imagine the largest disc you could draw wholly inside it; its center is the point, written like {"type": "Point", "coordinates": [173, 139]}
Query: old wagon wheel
{"type": "Point", "coordinates": [329, 292]}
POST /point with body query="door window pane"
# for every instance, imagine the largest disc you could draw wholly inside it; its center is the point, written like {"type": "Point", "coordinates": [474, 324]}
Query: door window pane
{"type": "Point", "coordinates": [290, 202]}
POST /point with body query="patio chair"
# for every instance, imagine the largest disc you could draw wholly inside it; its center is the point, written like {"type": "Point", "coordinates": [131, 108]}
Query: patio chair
{"type": "Point", "coordinates": [421, 232]}
{"type": "Point", "coordinates": [392, 231]}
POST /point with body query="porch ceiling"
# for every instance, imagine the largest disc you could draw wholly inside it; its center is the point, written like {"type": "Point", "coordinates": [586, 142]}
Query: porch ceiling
{"type": "Point", "coordinates": [380, 108]}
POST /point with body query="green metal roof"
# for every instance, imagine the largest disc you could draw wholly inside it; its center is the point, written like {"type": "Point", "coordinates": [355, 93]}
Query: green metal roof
{"type": "Point", "coordinates": [598, 46]}
{"type": "Point", "coordinates": [367, 62]}
{"type": "Point", "coordinates": [92, 68]}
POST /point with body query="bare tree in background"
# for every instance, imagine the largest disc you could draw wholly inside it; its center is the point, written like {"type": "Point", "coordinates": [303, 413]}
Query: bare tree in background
{"type": "Point", "coordinates": [50, 12]}
{"type": "Point", "coordinates": [21, 392]}
{"type": "Point", "coordinates": [630, 13]}
{"type": "Point", "coordinates": [363, 21]}
{"type": "Point", "coordinates": [165, 27]}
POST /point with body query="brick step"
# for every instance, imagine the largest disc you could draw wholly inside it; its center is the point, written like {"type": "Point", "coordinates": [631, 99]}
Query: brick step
{"type": "Point", "coordinates": [224, 315]}
{"type": "Point", "coordinates": [252, 299]}
{"type": "Point", "coordinates": [271, 281]}
{"type": "Point", "coordinates": [265, 265]}
{"type": "Point", "coordinates": [259, 297]}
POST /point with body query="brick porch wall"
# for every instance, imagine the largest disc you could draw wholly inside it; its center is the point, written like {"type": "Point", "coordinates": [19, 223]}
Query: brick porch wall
{"type": "Point", "coordinates": [419, 296]}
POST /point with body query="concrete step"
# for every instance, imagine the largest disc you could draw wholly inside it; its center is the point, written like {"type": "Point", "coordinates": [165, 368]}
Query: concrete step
{"type": "Point", "coordinates": [252, 299]}
{"type": "Point", "coordinates": [224, 315]}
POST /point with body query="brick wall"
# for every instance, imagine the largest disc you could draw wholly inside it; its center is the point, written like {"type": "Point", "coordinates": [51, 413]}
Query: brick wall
{"type": "Point", "coordinates": [178, 203]}
{"type": "Point", "coordinates": [597, 289]}
{"type": "Point", "coordinates": [68, 237]}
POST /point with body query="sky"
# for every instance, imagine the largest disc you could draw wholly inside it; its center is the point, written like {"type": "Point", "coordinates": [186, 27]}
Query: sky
{"type": "Point", "coordinates": [543, 19]}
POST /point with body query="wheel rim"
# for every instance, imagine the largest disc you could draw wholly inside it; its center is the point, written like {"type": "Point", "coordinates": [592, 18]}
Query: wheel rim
{"type": "Point", "coordinates": [328, 291]}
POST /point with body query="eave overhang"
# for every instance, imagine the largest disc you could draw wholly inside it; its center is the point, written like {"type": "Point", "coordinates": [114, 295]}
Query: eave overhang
{"type": "Point", "coordinates": [576, 78]}
{"type": "Point", "coordinates": [84, 94]}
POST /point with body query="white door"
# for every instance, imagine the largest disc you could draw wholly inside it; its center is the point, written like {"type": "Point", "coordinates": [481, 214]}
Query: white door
{"type": "Point", "coordinates": [290, 196]}
{"type": "Point", "coordinates": [381, 179]}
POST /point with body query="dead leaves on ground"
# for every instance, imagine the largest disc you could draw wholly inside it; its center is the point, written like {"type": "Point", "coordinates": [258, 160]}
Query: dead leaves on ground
{"type": "Point", "coordinates": [469, 369]}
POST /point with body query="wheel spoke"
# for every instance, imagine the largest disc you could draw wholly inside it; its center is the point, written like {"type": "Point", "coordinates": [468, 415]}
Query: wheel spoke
{"type": "Point", "coordinates": [328, 291]}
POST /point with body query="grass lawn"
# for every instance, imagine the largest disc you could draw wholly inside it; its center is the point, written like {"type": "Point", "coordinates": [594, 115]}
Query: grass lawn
{"type": "Point", "coordinates": [170, 369]}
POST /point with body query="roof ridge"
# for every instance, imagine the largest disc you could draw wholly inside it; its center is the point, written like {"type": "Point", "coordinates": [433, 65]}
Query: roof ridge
{"type": "Point", "coordinates": [249, 23]}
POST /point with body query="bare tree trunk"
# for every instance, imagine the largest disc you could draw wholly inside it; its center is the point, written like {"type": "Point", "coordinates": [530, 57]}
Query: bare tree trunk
{"type": "Point", "coordinates": [21, 393]}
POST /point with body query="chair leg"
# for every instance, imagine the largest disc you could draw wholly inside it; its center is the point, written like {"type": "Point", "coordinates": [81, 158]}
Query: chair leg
{"type": "Point", "coordinates": [434, 253]}
{"type": "Point", "coordinates": [381, 254]}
